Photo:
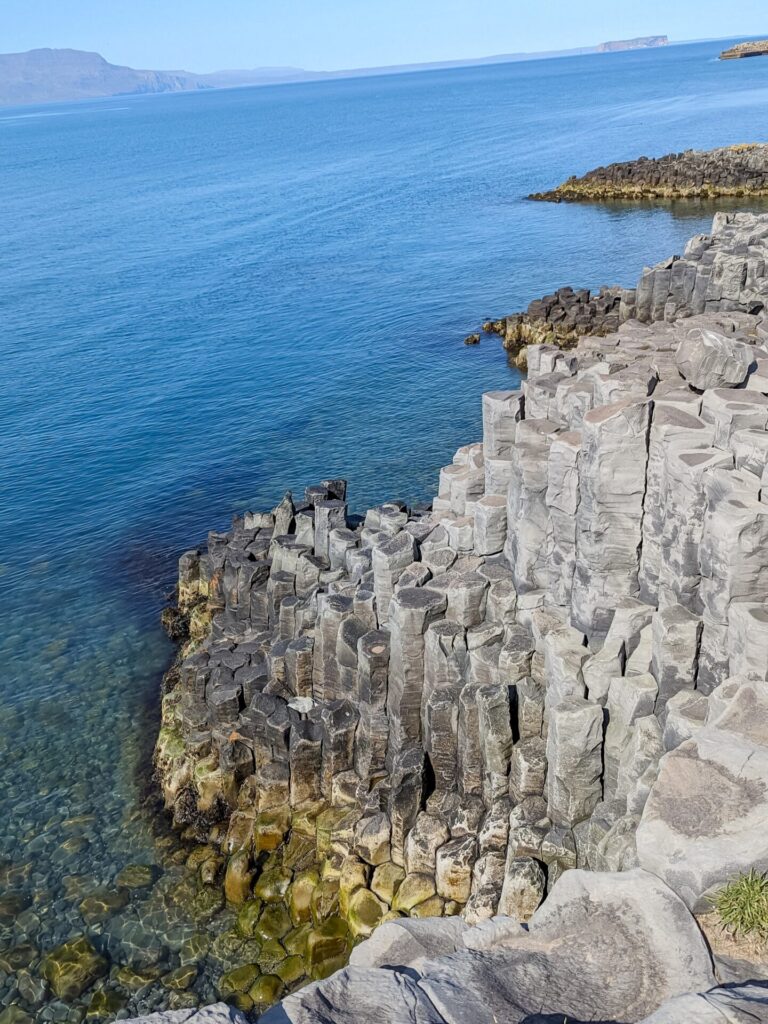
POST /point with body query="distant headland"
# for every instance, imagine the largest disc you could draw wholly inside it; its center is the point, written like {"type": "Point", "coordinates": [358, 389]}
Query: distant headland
{"type": "Point", "coordinates": [641, 43]}
{"type": "Point", "coordinates": [59, 76]}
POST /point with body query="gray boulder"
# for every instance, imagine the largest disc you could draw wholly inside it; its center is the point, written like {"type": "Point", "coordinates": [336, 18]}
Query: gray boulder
{"type": "Point", "coordinates": [629, 928]}
{"type": "Point", "coordinates": [400, 943]}
{"type": "Point", "coordinates": [710, 360]}
{"type": "Point", "coordinates": [704, 821]}
{"type": "Point", "coordinates": [219, 1013]}
{"type": "Point", "coordinates": [742, 1004]}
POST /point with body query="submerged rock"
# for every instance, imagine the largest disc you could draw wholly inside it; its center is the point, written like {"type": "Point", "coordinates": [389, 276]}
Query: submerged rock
{"type": "Point", "coordinates": [73, 967]}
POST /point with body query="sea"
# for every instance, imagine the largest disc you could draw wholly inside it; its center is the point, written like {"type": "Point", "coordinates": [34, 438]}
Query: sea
{"type": "Point", "coordinates": [209, 298]}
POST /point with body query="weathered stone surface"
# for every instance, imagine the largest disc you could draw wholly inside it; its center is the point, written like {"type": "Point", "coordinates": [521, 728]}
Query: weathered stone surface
{"type": "Point", "coordinates": [523, 888]}
{"type": "Point", "coordinates": [704, 820]}
{"type": "Point", "coordinates": [218, 1013]}
{"type": "Point", "coordinates": [644, 932]}
{"type": "Point", "coordinates": [710, 360]}
{"type": "Point", "coordinates": [453, 873]}
{"type": "Point", "coordinates": [574, 756]}
{"type": "Point", "coordinates": [629, 698]}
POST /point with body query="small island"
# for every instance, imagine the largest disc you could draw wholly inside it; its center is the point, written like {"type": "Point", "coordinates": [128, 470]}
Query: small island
{"type": "Point", "coordinates": [757, 48]}
{"type": "Point", "coordinates": [740, 170]}
{"type": "Point", "coordinates": [641, 43]}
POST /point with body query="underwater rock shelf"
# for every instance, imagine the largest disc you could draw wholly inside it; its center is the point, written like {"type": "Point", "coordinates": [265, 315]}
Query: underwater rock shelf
{"type": "Point", "coordinates": [513, 707]}
{"type": "Point", "coordinates": [740, 170]}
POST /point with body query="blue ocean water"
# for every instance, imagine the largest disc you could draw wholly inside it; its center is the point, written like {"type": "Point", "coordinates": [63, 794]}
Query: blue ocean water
{"type": "Point", "coordinates": [208, 298]}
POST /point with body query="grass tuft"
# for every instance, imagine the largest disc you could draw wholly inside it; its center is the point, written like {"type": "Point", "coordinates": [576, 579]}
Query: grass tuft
{"type": "Point", "coordinates": [742, 905]}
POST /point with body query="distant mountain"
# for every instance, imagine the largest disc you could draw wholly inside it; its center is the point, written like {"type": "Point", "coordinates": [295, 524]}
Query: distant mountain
{"type": "Point", "coordinates": [641, 43]}
{"type": "Point", "coordinates": [49, 76]}
{"type": "Point", "coordinates": [54, 76]}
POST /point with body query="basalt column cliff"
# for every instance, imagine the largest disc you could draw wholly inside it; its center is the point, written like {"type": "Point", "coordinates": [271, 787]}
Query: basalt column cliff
{"type": "Point", "coordinates": [561, 665]}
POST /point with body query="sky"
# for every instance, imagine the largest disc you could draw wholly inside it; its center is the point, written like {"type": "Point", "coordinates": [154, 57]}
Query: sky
{"type": "Point", "coordinates": [324, 35]}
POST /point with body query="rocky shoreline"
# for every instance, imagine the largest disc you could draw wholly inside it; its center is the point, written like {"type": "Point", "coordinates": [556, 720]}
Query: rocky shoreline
{"type": "Point", "coordinates": [753, 49]}
{"type": "Point", "coordinates": [740, 170]}
{"type": "Point", "coordinates": [710, 276]}
{"type": "Point", "coordinates": [519, 700]}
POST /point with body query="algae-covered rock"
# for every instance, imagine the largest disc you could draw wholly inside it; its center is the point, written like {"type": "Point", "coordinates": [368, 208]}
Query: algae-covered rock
{"type": "Point", "coordinates": [325, 899]}
{"type": "Point", "coordinates": [300, 895]}
{"type": "Point", "coordinates": [272, 885]}
{"type": "Point", "coordinates": [299, 852]}
{"type": "Point", "coordinates": [414, 889]}
{"type": "Point", "coordinates": [104, 1003]}
{"type": "Point", "coordinates": [353, 876]}
{"type": "Point", "coordinates": [238, 878]}
{"type": "Point", "coordinates": [180, 979]}
{"type": "Point", "coordinates": [226, 947]}
{"type": "Point", "coordinates": [238, 980]}
{"type": "Point", "coordinates": [207, 902]}
{"type": "Point", "coordinates": [274, 923]}
{"type": "Point", "coordinates": [295, 941]}
{"type": "Point", "coordinates": [433, 907]}
{"type": "Point", "coordinates": [135, 980]}
{"type": "Point", "coordinates": [210, 870]}
{"type": "Point", "coordinates": [290, 970]}
{"type": "Point", "coordinates": [16, 957]}
{"type": "Point", "coordinates": [270, 829]}
{"type": "Point", "coordinates": [199, 855]}
{"type": "Point", "coordinates": [73, 967]}
{"type": "Point", "coordinates": [266, 991]}
{"type": "Point", "coordinates": [136, 876]}
{"type": "Point", "coordinates": [364, 912]}
{"type": "Point", "coordinates": [102, 904]}
{"type": "Point", "coordinates": [271, 956]}
{"type": "Point", "coordinates": [15, 1015]}
{"type": "Point", "coordinates": [194, 948]}
{"type": "Point", "coordinates": [386, 881]}
{"type": "Point", "coordinates": [11, 905]}
{"type": "Point", "coordinates": [327, 948]}
{"type": "Point", "coordinates": [248, 917]}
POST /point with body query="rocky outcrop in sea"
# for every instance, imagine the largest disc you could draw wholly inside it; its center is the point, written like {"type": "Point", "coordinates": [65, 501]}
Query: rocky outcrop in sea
{"type": "Point", "coordinates": [537, 710]}
{"type": "Point", "coordinates": [740, 170]}
{"type": "Point", "coordinates": [755, 48]}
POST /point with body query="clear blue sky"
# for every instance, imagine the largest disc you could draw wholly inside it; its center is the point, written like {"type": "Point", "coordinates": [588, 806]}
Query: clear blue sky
{"type": "Point", "coordinates": [207, 35]}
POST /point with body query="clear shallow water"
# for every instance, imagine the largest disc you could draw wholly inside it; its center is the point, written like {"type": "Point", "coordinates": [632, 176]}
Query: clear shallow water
{"type": "Point", "coordinates": [208, 298]}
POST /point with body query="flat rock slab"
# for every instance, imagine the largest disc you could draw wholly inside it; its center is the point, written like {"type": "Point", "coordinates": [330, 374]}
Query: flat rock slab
{"type": "Point", "coordinates": [706, 819]}
{"type": "Point", "coordinates": [219, 1013]}
{"type": "Point", "coordinates": [628, 927]}
{"type": "Point", "coordinates": [357, 995]}
{"type": "Point", "coordinates": [401, 943]}
{"type": "Point", "coordinates": [742, 1004]}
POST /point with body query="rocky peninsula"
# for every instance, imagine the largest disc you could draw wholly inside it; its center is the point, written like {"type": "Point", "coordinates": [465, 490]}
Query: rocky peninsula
{"type": "Point", "coordinates": [753, 49]}
{"type": "Point", "coordinates": [740, 170]}
{"type": "Point", "coordinates": [469, 762]}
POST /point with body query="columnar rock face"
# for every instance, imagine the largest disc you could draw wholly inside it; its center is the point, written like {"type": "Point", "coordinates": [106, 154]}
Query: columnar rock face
{"type": "Point", "coordinates": [723, 271]}
{"type": "Point", "coordinates": [560, 665]}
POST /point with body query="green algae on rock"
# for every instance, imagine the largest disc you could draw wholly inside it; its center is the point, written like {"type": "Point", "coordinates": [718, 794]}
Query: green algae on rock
{"type": "Point", "coordinates": [740, 170]}
{"type": "Point", "coordinates": [73, 967]}
{"type": "Point", "coordinates": [755, 48]}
